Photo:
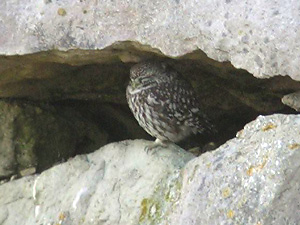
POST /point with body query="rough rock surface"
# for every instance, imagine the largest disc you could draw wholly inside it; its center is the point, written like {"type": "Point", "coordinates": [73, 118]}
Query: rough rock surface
{"type": "Point", "coordinates": [113, 185]}
{"type": "Point", "coordinates": [252, 179]}
{"type": "Point", "coordinates": [35, 136]}
{"type": "Point", "coordinates": [262, 38]}
{"type": "Point", "coordinates": [292, 100]}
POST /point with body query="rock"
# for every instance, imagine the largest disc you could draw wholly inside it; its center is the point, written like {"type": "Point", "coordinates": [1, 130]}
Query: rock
{"type": "Point", "coordinates": [251, 179]}
{"type": "Point", "coordinates": [30, 77]}
{"type": "Point", "coordinates": [261, 38]}
{"type": "Point", "coordinates": [292, 100]}
{"type": "Point", "coordinates": [35, 136]}
{"type": "Point", "coordinates": [28, 171]}
{"type": "Point", "coordinates": [118, 184]}
{"type": "Point", "coordinates": [86, 56]}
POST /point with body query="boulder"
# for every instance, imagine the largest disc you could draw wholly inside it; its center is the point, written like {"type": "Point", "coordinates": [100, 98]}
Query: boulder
{"type": "Point", "coordinates": [119, 184]}
{"type": "Point", "coordinates": [292, 100]}
{"type": "Point", "coordinates": [251, 179]}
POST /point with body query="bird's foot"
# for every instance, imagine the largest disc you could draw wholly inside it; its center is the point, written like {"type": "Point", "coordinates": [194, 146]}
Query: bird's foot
{"type": "Point", "coordinates": [156, 144]}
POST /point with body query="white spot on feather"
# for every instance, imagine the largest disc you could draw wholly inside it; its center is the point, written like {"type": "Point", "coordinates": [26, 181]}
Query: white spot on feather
{"type": "Point", "coordinates": [195, 110]}
{"type": "Point", "coordinates": [151, 100]}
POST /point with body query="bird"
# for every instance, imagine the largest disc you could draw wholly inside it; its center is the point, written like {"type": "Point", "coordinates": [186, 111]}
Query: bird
{"type": "Point", "coordinates": [164, 103]}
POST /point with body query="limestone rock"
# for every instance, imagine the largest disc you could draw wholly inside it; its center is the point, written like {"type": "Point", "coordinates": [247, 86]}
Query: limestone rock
{"type": "Point", "coordinates": [262, 38]}
{"type": "Point", "coordinates": [292, 100]}
{"type": "Point", "coordinates": [252, 179]}
{"type": "Point", "coordinates": [119, 184]}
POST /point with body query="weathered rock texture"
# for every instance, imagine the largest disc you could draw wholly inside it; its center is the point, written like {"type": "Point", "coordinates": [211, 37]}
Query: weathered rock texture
{"type": "Point", "coordinates": [85, 53]}
{"type": "Point", "coordinates": [262, 38]}
{"type": "Point", "coordinates": [35, 136]}
{"type": "Point", "coordinates": [114, 185]}
{"type": "Point", "coordinates": [252, 179]}
{"type": "Point", "coordinates": [231, 97]}
{"type": "Point", "coordinates": [292, 100]}
{"type": "Point", "coordinates": [82, 50]}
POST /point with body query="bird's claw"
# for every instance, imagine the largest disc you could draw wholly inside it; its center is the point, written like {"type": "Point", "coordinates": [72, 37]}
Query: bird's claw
{"type": "Point", "coordinates": [157, 144]}
{"type": "Point", "coordinates": [151, 148]}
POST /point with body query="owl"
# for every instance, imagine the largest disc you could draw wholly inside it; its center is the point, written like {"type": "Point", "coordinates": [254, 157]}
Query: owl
{"type": "Point", "coordinates": [164, 103]}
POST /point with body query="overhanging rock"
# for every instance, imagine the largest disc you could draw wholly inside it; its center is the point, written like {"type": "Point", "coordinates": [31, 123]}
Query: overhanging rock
{"type": "Point", "coordinates": [261, 38]}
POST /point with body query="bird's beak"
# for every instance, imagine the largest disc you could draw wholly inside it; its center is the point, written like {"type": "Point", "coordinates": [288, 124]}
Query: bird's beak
{"type": "Point", "coordinates": [134, 83]}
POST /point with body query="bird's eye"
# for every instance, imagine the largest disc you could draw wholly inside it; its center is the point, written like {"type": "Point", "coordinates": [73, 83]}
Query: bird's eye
{"type": "Point", "coordinates": [146, 80]}
{"type": "Point", "coordinates": [143, 79]}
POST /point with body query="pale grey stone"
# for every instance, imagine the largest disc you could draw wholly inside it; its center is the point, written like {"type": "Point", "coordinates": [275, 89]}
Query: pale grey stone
{"type": "Point", "coordinates": [292, 100]}
{"type": "Point", "coordinates": [252, 179]}
{"type": "Point", "coordinates": [261, 37]}
{"type": "Point", "coordinates": [28, 171]}
{"type": "Point", "coordinates": [119, 184]}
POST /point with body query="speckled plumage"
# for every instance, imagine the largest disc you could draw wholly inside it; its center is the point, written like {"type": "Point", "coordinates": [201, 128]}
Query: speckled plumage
{"type": "Point", "coordinates": [164, 103]}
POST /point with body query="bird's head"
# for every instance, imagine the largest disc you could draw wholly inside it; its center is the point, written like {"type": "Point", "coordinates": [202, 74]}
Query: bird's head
{"type": "Point", "coordinates": [150, 72]}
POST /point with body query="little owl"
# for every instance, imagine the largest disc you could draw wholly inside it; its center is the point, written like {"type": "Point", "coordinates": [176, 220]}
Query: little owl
{"type": "Point", "coordinates": [164, 103]}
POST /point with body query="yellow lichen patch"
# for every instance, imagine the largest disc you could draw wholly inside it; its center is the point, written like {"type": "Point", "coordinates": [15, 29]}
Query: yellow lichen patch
{"type": "Point", "coordinates": [150, 210]}
{"type": "Point", "coordinates": [208, 165]}
{"type": "Point", "coordinates": [250, 171]}
{"type": "Point", "coordinates": [240, 32]}
{"type": "Point", "coordinates": [226, 192]}
{"type": "Point", "coordinates": [62, 216]}
{"type": "Point", "coordinates": [61, 12]}
{"type": "Point", "coordinates": [144, 209]}
{"type": "Point", "coordinates": [230, 214]}
{"type": "Point", "coordinates": [294, 146]}
{"type": "Point", "coordinates": [269, 126]}
{"type": "Point", "coordinates": [262, 165]}
{"type": "Point", "coordinates": [257, 168]}
{"type": "Point", "coordinates": [173, 192]}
